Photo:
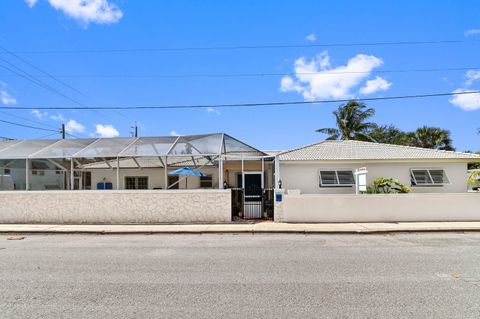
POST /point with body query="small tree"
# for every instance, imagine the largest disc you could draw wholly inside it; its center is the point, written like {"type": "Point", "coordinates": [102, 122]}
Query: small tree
{"type": "Point", "coordinates": [389, 186]}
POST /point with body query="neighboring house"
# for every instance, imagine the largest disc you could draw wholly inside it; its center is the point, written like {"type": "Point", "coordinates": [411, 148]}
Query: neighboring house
{"type": "Point", "coordinates": [44, 175]}
{"type": "Point", "coordinates": [327, 167]}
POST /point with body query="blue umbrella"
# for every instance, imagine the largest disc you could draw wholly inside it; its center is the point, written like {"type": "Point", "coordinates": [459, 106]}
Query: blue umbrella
{"type": "Point", "coordinates": [187, 171]}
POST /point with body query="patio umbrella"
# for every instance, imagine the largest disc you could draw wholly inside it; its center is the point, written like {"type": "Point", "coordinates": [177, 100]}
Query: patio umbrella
{"type": "Point", "coordinates": [187, 171]}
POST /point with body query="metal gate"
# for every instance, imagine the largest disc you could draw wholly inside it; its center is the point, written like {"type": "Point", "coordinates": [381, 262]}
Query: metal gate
{"type": "Point", "coordinates": [254, 203]}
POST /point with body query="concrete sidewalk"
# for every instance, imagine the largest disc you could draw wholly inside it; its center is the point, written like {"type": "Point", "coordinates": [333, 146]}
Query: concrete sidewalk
{"type": "Point", "coordinates": [261, 227]}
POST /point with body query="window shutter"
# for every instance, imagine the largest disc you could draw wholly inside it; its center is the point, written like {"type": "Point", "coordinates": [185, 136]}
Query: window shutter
{"type": "Point", "coordinates": [345, 178]}
{"type": "Point", "coordinates": [438, 176]}
{"type": "Point", "coordinates": [421, 177]}
{"type": "Point", "coordinates": [328, 178]}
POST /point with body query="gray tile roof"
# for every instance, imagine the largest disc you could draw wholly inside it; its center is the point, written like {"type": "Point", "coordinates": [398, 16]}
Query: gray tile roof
{"type": "Point", "coordinates": [356, 150]}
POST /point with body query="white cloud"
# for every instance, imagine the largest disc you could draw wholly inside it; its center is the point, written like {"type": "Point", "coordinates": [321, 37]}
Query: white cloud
{"type": "Point", "coordinates": [472, 32]}
{"type": "Point", "coordinates": [86, 11]}
{"type": "Point", "coordinates": [372, 86]}
{"type": "Point", "coordinates": [73, 127]}
{"type": "Point", "coordinates": [174, 133]}
{"type": "Point", "coordinates": [106, 130]}
{"type": "Point", "coordinates": [58, 117]}
{"type": "Point", "coordinates": [316, 78]}
{"type": "Point", "coordinates": [31, 3]}
{"type": "Point", "coordinates": [39, 114]}
{"type": "Point", "coordinates": [311, 38]}
{"type": "Point", "coordinates": [468, 102]}
{"type": "Point", "coordinates": [472, 76]}
{"type": "Point", "coordinates": [211, 110]}
{"type": "Point", "coordinates": [5, 96]}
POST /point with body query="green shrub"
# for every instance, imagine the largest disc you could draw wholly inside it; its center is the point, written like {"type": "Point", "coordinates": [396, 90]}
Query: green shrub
{"type": "Point", "coordinates": [384, 185]}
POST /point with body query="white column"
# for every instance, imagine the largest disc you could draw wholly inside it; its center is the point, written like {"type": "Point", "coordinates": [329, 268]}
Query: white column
{"type": "Point", "coordinates": [165, 169]}
{"type": "Point", "coordinates": [263, 173]}
{"type": "Point", "coordinates": [277, 172]}
{"type": "Point", "coordinates": [72, 175]}
{"type": "Point", "coordinates": [243, 174]}
{"type": "Point", "coordinates": [118, 173]}
{"type": "Point", "coordinates": [220, 172]}
{"type": "Point", "coordinates": [27, 174]}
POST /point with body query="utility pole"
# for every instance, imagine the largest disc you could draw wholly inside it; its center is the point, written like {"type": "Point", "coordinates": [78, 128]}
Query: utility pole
{"type": "Point", "coordinates": [135, 130]}
{"type": "Point", "coordinates": [63, 131]}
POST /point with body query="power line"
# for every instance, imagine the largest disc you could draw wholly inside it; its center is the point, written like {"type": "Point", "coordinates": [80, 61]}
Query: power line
{"type": "Point", "coordinates": [44, 136]}
{"type": "Point", "coordinates": [226, 75]}
{"type": "Point", "coordinates": [26, 119]}
{"type": "Point", "coordinates": [32, 79]}
{"type": "Point", "coordinates": [40, 70]}
{"type": "Point", "coordinates": [29, 126]}
{"type": "Point", "coordinates": [72, 135]}
{"type": "Point", "coordinates": [245, 47]}
{"type": "Point", "coordinates": [398, 97]}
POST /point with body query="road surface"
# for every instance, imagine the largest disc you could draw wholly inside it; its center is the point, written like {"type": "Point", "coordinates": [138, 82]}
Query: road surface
{"type": "Point", "coordinates": [429, 275]}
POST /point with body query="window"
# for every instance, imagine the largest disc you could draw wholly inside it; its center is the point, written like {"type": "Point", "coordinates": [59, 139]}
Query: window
{"type": "Point", "coordinates": [38, 172]}
{"type": "Point", "coordinates": [136, 182]}
{"type": "Point", "coordinates": [172, 182]}
{"type": "Point", "coordinates": [428, 177]}
{"type": "Point", "coordinates": [336, 178]}
{"type": "Point", "coordinates": [206, 181]}
{"type": "Point", "coordinates": [6, 171]}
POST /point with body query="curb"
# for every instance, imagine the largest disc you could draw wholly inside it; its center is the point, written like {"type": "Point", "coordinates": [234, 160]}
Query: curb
{"type": "Point", "coordinates": [200, 232]}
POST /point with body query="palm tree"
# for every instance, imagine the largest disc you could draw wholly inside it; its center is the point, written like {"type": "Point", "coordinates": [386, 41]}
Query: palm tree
{"type": "Point", "coordinates": [350, 121]}
{"type": "Point", "coordinates": [432, 137]}
{"type": "Point", "coordinates": [390, 134]}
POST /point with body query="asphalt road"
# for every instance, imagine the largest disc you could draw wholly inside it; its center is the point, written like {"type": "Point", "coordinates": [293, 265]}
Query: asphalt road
{"type": "Point", "coordinates": [435, 275]}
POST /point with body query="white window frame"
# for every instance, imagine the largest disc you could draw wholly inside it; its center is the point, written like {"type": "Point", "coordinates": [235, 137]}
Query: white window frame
{"type": "Point", "coordinates": [136, 181]}
{"type": "Point", "coordinates": [336, 170]}
{"type": "Point", "coordinates": [428, 169]}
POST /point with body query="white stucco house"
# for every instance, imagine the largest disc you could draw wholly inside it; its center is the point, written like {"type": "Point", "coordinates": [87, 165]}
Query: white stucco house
{"type": "Point", "coordinates": [327, 167]}
{"type": "Point", "coordinates": [133, 180]}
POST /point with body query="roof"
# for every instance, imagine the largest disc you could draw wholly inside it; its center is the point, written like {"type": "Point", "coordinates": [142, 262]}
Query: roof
{"type": "Point", "coordinates": [148, 162]}
{"type": "Point", "coordinates": [190, 145]}
{"type": "Point", "coordinates": [357, 150]}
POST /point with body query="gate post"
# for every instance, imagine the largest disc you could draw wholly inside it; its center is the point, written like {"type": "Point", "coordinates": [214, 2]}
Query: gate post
{"type": "Point", "coordinates": [278, 206]}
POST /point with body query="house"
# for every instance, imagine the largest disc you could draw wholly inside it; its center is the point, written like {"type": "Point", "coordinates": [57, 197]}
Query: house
{"type": "Point", "coordinates": [327, 167]}
{"type": "Point", "coordinates": [239, 181]}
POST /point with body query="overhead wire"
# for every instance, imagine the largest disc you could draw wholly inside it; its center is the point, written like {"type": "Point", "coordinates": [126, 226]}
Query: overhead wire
{"type": "Point", "coordinates": [227, 75]}
{"type": "Point", "coordinates": [26, 119]}
{"type": "Point", "coordinates": [235, 105]}
{"type": "Point", "coordinates": [244, 47]}
{"type": "Point", "coordinates": [32, 79]}
{"type": "Point", "coordinates": [42, 71]}
{"type": "Point", "coordinates": [29, 126]}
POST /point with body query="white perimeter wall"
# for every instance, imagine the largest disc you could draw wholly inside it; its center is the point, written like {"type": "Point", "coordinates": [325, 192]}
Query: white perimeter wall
{"type": "Point", "coordinates": [307, 208]}
{"type": "Point", "coordinates": [115, 207]}
{"type": "Point", "coordinates": [305, 175]}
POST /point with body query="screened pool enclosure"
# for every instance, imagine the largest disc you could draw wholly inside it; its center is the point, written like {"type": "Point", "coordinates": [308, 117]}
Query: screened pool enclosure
{"type": "Point", "coordinates": [130, 163]}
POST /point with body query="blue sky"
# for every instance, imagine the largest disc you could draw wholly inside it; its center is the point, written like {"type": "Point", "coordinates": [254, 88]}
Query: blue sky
{"type": "Point", "coordinates": [123, 79]}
